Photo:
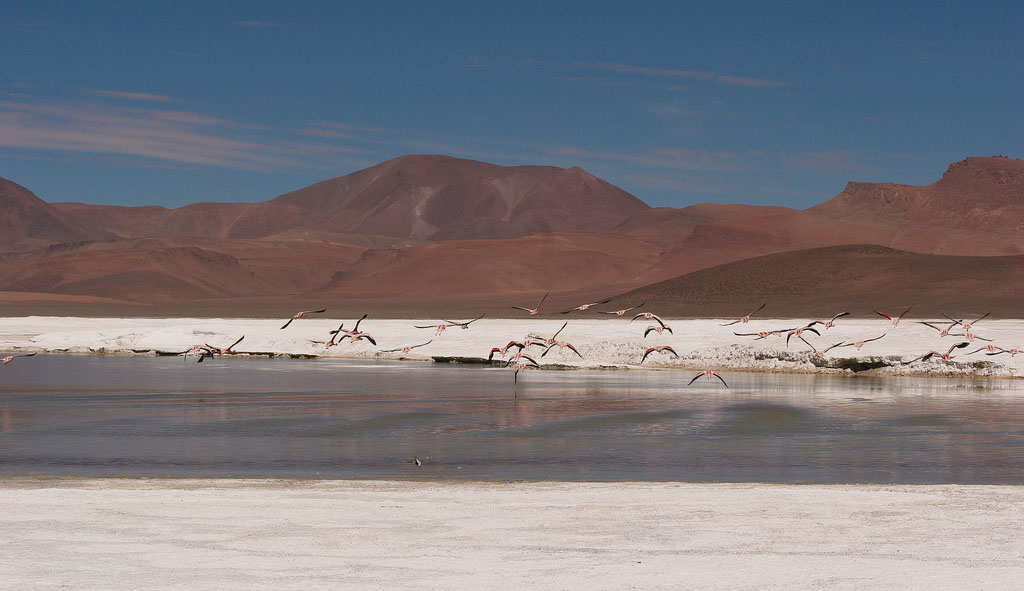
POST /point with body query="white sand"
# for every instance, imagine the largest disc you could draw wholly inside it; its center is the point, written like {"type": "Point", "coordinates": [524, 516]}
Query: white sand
{"type": "Point", "coordinates": [602, 342]}
{"type": "Point", "coordinates": [229, 534]}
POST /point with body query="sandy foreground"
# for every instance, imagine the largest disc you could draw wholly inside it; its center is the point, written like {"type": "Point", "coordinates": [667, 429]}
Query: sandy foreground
{"type": "Point", "coordinates": [605, 342]}
{"type": "Point", "coordinates": [273, 534]}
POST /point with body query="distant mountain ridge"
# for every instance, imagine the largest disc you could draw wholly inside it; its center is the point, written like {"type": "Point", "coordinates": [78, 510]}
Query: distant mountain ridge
{"type": "Point", "coordinates": [426, 197]}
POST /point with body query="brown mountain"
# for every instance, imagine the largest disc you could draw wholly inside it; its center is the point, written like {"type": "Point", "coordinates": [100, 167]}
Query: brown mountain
{"type": "Point", "coordinates": [854, 278]}
{"type": "Point", "coordinates": [418, 197]}
{"type": "Point", "coordinates": [27, 221]}
{"type": "Point", "coordinates": [975, 209]}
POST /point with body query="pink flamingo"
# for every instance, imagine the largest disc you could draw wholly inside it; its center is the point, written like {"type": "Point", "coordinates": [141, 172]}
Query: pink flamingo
{"type": "Point", "coordinates": [658, 350]}
{"type": "Point", "coordinates": [821, 353]}
{"type": "Point", "coordinates": [11, 358]}
{"type": "Point", "coordinates": [532, 311]}
{"type": "Point", "coordinates": [967, 325]}
{"type": "Point", "coordinates": [830, 323]}
{"type": "Point", "coordinates": [658, 329]}
{"type": "Point", "coordinates": [710, 373]}
{"type": "Point", "coordinates": [746, 318]}
{"type": "Point", "coordinates": [895, 319]}
{"type": "Point", "coordinates": [860, 344]}
{"type": "Point", "coordinates": [623, 311]}
{"type": "Point", "coordinates": [302, 315]}
{"type": "Point", "coordinates": [464, 325]}
{"type": "Point", "coordinates": [585, 307]}
{"type": "Point", "coordinates": [406, 349]}
{"type": "Point", "coordinates": [945, 356]}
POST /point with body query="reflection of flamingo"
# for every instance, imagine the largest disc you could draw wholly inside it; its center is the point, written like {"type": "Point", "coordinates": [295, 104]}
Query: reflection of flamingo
{"type": "Point", "coordinates": [621, 312]}
{"type": "Point", "coordinates": [11, 358]}
{"type": "Point", "coordinates": [860, 344]}
{"type": "Point", "coordinates": [710, 373]}
{"type": "Point", "coordinates": [746, 318]}
{"type": "Point", "coordinates": [895, 319]}
{"type": "Point", "coordinates": [658, 350]}
{"type": "Point", "coordinates": [302, 315]}
{"type": "Point", "coordinates": [532, 311]}
{"type": "Point", "coordinates": [945, 356]}
{"type": "Point", "coordinates": [585, 307]}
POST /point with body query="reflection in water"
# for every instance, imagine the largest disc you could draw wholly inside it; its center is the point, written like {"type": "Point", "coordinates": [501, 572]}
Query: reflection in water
{"type": "Point", "coordinates": [248, 417]}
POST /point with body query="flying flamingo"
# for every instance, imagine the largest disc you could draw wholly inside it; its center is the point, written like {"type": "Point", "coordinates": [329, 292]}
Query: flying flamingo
{"type": "Point", "coordinates": [658, 329]}
{"type": "Point", "coordinates": [860, 344]}
{"type": "Point", "coordinates": [585, 307]}
{"type": "Point", "coordinates": [649, 316]}
{"type": "Point", "coordinates": [970, 336]}
{"type": "Point", "coordinates": [561, 345]}
{"type": "Point", "coordinates": [532, 311]}
{"type": "Point", "coordinates": [351, 333]}
{"type": "Point", "coordinates": [504, 350]}
{"type": "Point", "coordinates": [821, 353]}
{"type": "Point", "coordinates": [831, 323]}
{"type": "Point", "coordinates": [11, 358]}
{"type": "Point", "coordinates": [551, 341]}
{"type": "Point", "coordinates": [405, 349]}
{"type": "Point", "coordinates": [465, 324]}
{"type": "Point", "coordinates": [967, 325]}
{"type": "Point", "coordinates": [1012, 352]}
{"type": "Point", "coordinates": [658, 350]}
{"type": "Point", "coordinates": [710, 373]}
{"type": "Point", "coordinates": [229, 350]}
{"type": "Point", "coordinates": [895, 319]}
{"type": "Point", "coordinates": [992, 350]}
{"type": "Point", "coordinates": [943, 332]}
{"type": "Point", "coordinates": [746, 318]}
{"type": "Point", "coordinates": [764, 334]}
{"type": "Point", "coordinates": [521, 365]}
{"type": "Point", "coordinates": [945, 356]}
{"type": "Point", "coordinates": [798, 331]}
{"type": "Point", "coordinates": [439, 328]}
{"type": "Point", "coordinates": [621, 312]}
{"type": "Point", "coordinates": [302, 315]}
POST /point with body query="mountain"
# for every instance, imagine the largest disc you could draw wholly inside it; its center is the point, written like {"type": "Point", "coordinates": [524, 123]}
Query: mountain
{"type": "Point", "coordinates": [829, 280]}
{"type": "Point", "coordinates": [423, 197]}
{"type": "Point", "coordinates": [27, 221]}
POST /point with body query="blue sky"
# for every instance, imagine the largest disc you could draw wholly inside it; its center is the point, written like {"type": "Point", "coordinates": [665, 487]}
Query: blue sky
{"type": "Point", "coordinates": [170, 103]}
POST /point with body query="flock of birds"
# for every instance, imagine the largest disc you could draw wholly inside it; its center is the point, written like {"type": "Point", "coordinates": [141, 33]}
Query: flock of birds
{"type": "Point", "coordinates": [517, 353]}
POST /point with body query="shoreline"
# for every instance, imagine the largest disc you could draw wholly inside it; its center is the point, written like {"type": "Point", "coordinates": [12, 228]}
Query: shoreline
{"type": "Point", "coordinates": [288, 534]}
{"type": "Point", "coordinates": [606, 343]}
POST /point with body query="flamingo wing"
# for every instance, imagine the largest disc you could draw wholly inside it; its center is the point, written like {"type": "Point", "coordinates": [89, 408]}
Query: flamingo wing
{"type": "Point", "coordinates": [720, 378]}
{"type": "Point", "coordinates": [694, 378]}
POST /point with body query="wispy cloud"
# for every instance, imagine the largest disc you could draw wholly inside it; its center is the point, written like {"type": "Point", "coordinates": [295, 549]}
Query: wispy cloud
{"type": "Point", "coordinates": [132, 96]}
{"type": "Point", "coordinates": [174, 136]}
{"type": "Point", "coordinates": [648, 71]}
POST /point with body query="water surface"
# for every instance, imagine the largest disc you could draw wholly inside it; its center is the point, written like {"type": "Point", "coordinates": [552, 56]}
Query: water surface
{"type": "Point", "coordinates": [92, 415]}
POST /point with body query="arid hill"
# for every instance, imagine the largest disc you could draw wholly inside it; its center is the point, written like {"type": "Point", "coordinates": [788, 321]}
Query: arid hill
{"type": "Point", "coordinates": [421, 197]}
{"type": "Point", "coordinates": [855, 278]}
{"type": "Point", "coordinates": [27, 221]}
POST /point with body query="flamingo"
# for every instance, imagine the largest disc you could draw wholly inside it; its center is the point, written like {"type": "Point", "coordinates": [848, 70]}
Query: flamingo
{"type": "Point", "coordinates": [532, 311]}
{"type": "Point", "coordinates": [860, 344]}
{"type": "Point", "coordinates": [229, 350]}
{"type": "Point", "coordinates": [945, 356]}
{"type": "Point", "coordinates": [970, 336]}
{"type": "Point", "coordinates": [967, 325]}
{"type": "Point", "coordinates": [798, 331]}
{"type": "Point", "coordinates": [504, 350]}
{"type": "Point", "coordinates": [530, 363]}
{"type": "Point", "coordinates": [658, 350]}
{"type": "Point", "coordinates": [623, 311]}
{"type": "Point", "coordinates": [943, 332]}
{"type": "Point", "coordinates": [992, 350]}
{"type": "Point", "coordinates": [710, 373]}
{"type": "Point", "coordinates": [350, 333]}
{"type": "Point", "coordinates": [302, 315]}
{"type": "Point", "coordinates": [649, 316]}
{"type": "Point", "coordinates": [561, 345]}
{"type": "Point", "coordinates": [550, 341]}
{"type": "Point", "coordinates": [1012, 352]}
{"type": "Point", "coordinates": [465, 324]}
{"type": "Point", "coordinates": [585, 307]}
{"type": "Point", "coordinates": [658, 329]}
{"type": "Point", "coordinates": [405, 349]}
{"type": "Point", "coordinates": [764, 334]}
{"type": "Point", "coordinates": [746, 318]}
{"type": "Point", "coordinates": [821, 353]}
{"type": "Point", "coordinates": [830, 323]}
{"type": "Point", "coordinates": [439, 328]}
{"type": "Point", "coordinates": [11, 358]}
{"type": "Point", "coordinates": [895, 319]}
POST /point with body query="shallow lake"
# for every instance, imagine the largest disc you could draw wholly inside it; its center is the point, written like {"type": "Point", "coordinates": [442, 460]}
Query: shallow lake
{"type": "Point", "coordinates": [94, 415]}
